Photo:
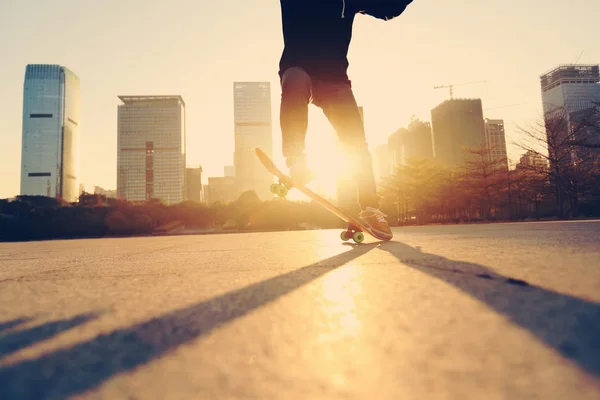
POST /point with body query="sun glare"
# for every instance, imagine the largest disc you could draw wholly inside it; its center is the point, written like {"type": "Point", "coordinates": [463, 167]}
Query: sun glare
{"type": "Point", "coordinates": [340, 289]}
{"type": "Point", "coordinates": [324, 156]}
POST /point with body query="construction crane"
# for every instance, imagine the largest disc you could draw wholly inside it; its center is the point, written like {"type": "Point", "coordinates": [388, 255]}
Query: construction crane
{"type": "Point", "coordinates": [458, 84]}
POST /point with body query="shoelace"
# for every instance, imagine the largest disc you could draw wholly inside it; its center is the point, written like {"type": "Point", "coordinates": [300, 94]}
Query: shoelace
{"type": "Point", "coordinates": [379, 215]}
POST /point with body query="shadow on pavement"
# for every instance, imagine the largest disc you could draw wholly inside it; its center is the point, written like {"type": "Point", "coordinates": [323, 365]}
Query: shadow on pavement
{"type": "Point", "coordinates": [568, 324]}
{"type": "Point", "coordinates": [67, 372]}
{"type": "Point", "coordinates": [21, 339]}
{"type": "Point", "coordinates": [12, 323]}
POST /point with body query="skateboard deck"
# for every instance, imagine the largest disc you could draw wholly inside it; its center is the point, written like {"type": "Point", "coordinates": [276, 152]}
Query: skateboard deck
{"type": "Point", "coordinates": [356, 227]}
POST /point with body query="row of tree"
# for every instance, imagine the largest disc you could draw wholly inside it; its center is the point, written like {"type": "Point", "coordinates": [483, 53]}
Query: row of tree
{"type": "Point", "coordinates": [561, 178]}
{"type": "Point", "coordinates": [38, 217]}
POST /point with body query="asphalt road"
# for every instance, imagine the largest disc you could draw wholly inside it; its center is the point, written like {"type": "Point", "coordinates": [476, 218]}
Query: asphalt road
{"type": "Point", "coordinates": [499, 311]}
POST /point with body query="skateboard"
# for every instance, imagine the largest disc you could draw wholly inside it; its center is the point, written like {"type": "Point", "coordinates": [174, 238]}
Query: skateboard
{"type": "Point", "coordinates": [355, 227]}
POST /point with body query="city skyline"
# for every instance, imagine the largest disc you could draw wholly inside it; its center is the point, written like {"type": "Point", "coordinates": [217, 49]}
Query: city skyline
{"type": "Point", "coordinates": [430, 32]}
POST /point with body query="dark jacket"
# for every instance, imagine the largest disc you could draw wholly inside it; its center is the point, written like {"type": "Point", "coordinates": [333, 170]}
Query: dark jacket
{"type": "Point", "coordinates": [317, 33]}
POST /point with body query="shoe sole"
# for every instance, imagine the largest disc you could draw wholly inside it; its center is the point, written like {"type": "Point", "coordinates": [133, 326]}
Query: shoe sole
{"type": "Point", "coordinates": [380, 234]}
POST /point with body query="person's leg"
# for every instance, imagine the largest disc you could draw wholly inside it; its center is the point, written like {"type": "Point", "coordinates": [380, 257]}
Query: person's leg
{"type": "Point", "coordinates": [339, 105]}
{"type": "Point", "coordinates": [296, 95]}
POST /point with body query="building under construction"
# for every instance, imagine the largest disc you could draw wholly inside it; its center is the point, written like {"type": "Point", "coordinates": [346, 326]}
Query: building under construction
{"type": "Point", "coordinates": [456, 125]}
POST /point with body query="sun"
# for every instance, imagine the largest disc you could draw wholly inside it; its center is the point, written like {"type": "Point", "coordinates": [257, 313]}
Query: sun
{"type": "Point", "coordinates": [324, 156]}
{"type": "Point", "coordinates": [327, 164]}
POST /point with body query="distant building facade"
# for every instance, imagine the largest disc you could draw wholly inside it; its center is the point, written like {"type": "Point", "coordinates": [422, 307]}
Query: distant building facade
{"type": "Point", "coordinates": [532, 160]}
{"type": "Point", "coordinates": [193, 184]}
{"type": "Point", "coordinates": [572, 87]}
{"type": "Point", "coordinates": [221, 188]}
{"type": "Point", "coordinates": [496, 142]}
{"type": "Point", "coordinates": [151, 152]}
{"type": "Point", "coordinates": [253, 129]}
{"type": "Point", "coordinates": [457, 124]}
{"type": "Point", "coordinates": [571, 91]}
{"type": "Point", "coordinates": [414, 142]}
{"type": "Point", "coordinates": [111, 194]}
{"type": "Point", "coordinates": [419, 143]}
{"type": "Point", "coordinates": [50, 141]}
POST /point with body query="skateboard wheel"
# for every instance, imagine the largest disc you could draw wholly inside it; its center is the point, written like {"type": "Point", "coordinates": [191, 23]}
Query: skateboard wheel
{"type": "Point", "coordinates": [343, 236]}
{"type": "Point", "coordinates": [274, 188]}
{"type": "Point", "coordinates": [358, 237]}
{"type": "Point", "coordinates": [282, 191]}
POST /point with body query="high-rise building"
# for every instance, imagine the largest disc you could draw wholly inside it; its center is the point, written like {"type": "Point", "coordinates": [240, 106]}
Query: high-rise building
{"type": "Point", "coordinates": [193, 184]}
{"type": "Point", "coordinates": [456, 125]}
{"type": "Point", "coordinates": [420, 144]}
{"type": "Point", "coordinates": [414, 142]}
{"type": "Point", "coordinates": [570, 91]}
{"type": "Point", "coordinates": [253, 129]}
{"type": "Point", "coordinates": [151, 152]}
{"type": "Point", "coordinates": [496, 142]}
{"type": "Point", "coordinates": [572, 87]}
{"type": "Point", "coordinates": [50, 146]}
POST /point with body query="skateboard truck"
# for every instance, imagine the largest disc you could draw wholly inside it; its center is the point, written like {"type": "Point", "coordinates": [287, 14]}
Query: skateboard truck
{"type": "Point", "coordinates": [282, 188]}
{"type": "Point", "coordinates": [353, 233]}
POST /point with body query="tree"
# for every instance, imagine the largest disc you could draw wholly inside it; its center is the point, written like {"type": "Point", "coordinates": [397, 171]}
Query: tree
{"type": "Point", "coordinates": [485, 177]}
{"type": "Point", "coordinates": [415, 189]}
{"type": "Point", "coordinates": [568, 139]}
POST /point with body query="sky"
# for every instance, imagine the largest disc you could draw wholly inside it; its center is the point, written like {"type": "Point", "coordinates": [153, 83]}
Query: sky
{"type": "Point", "coordinates": [198, 48]}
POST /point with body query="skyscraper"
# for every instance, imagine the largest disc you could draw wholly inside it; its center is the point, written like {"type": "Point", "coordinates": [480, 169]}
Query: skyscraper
{"type": "Point", "coordinates": [457, 124]}
{"type": "Point", "coordinates": [496, 142]}
{"type": "Point", "coordinates": [419, 143]}
{"type": "Point", "coordinates": [570, 91]}
{"type": "Point", "coordinates": [414, 142]}
{"type": "Point", "coordinates": [253, 128]}
{"type": "Point", "coordinates": [572, 87]}
{"type": "Point", "coordinates": [50, 146]}
{"type": "Point", "coordinates": [151, 152]}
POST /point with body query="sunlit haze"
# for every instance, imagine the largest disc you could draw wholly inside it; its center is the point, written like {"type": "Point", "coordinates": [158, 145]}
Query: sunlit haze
{"type": "Point", "coordinates": [196, 49]}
